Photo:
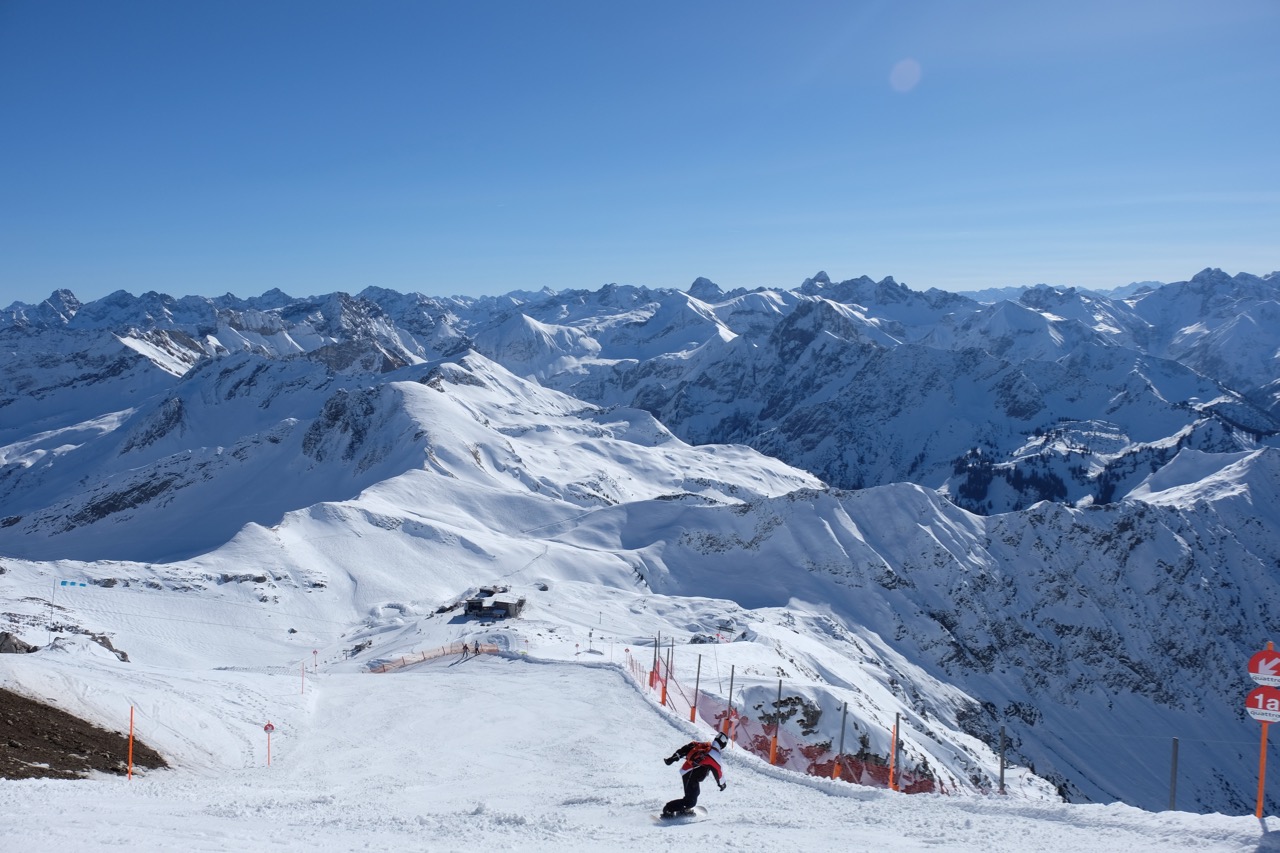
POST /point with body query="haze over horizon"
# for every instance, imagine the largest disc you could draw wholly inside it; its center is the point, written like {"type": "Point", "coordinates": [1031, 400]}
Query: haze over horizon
{"type": "Point", "coordinates": [205, 149]}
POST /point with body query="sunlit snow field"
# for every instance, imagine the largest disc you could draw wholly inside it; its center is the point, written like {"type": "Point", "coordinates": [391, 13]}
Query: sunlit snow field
{"type": "Point", "coordinates": [549, 745]}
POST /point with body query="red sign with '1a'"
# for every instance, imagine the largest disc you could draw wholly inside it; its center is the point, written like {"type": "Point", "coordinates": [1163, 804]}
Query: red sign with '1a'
{"type": "Point", "coordinates": [1263, 704]}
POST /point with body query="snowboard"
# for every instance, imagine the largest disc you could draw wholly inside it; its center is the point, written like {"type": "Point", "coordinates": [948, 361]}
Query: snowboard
{"type": "Point", "coordinates": [694, 815]}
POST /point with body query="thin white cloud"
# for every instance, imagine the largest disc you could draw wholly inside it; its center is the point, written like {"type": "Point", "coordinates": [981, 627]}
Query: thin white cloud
{"type": "Point", "coordinates": [905, 75]}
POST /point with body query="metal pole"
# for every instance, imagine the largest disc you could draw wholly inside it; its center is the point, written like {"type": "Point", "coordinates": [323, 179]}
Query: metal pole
{"type": "Point", "coordinates": [1001, 789]}
{"type": "Point", "coordinates": [893, 753]}
{"type": "Point", "coordinates": [697, 679]}
{"type": "Point", "coordinates": [835, 770]}
{"type": "Point", "coordinates": [666, 676]}
{"type": "Point", "coordinates": [653, 671]}
{"type": "Point", "coordinates": [1173, 779]}
{"type": "Point", "coordinates": [730, 716]}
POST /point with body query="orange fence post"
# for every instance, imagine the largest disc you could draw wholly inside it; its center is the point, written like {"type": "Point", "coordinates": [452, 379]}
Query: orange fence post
{"type": "Point", "coordinates": [773, 742]}
{"type": "Point", "coordinates": [130, 743]}
{"type": "Point", "coordinates": [893, 755]}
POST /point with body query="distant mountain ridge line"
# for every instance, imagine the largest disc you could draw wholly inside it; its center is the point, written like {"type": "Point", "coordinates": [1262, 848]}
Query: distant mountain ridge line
{"type": "Point", "coordinates": [778, 369]}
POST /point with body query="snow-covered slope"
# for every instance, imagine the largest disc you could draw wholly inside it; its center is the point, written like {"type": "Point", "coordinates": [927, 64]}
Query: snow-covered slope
{"type": "Point", "coordinates": [347, 467]}
{"type": "Point", "coordinates": [496, 753]}
{"type": "Point", "coordinates": [890, 599]}
{"type": "Point", "coordinates": [245, 439]}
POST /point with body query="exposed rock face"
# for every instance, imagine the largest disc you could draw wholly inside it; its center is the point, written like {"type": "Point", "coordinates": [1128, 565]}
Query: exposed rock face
{"type": "Point", "coordinates": [11, 645]}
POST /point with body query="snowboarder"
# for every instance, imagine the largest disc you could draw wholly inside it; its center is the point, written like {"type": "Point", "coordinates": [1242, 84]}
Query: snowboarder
{"type": "Point", "coordinates": [699, 759]}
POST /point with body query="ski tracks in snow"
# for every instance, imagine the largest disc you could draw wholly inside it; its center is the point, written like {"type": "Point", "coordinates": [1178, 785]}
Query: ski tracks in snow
{"type": "Point", "coordinates": [506, 753]}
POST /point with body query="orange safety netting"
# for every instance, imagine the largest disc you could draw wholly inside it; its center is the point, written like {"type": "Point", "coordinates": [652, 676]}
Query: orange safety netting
{"type": "Point", "coordinates": [815, 758]}
{"type": "Point", "coordinates": [430, 654]}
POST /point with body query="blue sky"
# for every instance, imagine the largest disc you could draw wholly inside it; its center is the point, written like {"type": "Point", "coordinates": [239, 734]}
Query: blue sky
{"type": "Point", "coordinates": [482, 147]}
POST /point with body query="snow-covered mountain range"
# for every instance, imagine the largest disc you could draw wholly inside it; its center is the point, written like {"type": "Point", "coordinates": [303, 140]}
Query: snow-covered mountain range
{"type": "Point", "coordinates": [1055, 515]}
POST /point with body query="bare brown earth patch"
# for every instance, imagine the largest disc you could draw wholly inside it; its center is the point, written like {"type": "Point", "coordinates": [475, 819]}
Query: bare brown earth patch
{"type": "Point", "coordinates": [38, 741]}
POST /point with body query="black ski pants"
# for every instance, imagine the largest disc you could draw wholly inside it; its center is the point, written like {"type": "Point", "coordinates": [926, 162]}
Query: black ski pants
{"type": "Point", "coordinates": [692, 787]}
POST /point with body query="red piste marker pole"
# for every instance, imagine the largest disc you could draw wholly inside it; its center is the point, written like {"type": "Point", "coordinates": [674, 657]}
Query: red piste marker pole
{"type": "Point", "coordinates": [1263, 704]}
{"type": "Point", "coordinates": [268, 728]}
{"type": "Point", "coordinates": [1262, 771]}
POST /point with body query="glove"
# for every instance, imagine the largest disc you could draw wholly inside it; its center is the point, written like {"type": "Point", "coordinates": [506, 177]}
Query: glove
{"type": "Point", "coordinates": [669, 761]}
{"type": "Point", "coordinates": [722, 785]}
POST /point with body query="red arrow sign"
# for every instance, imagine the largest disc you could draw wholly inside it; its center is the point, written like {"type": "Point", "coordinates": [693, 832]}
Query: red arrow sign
{"type": "Point", "coordinates": [1264, 668]}
{"type": "Point", "coordinates": [1263, 704]}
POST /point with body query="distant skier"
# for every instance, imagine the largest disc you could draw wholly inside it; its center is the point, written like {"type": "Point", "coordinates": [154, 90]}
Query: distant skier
{"type": "Point", "coordinates": [465, 651]}
{"type": "Point", "coordinates": [699, 760]}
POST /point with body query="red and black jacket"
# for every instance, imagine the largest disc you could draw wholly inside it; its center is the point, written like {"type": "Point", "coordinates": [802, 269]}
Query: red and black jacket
{"type": "Point", "coordinates": [698, 754]}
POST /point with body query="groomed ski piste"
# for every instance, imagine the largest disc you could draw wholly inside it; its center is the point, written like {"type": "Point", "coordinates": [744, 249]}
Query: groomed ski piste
{"type": "Point", "coordinates": [547, 744]}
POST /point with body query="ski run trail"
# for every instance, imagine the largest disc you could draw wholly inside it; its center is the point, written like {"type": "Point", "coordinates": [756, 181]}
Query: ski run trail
{"type": "Point", "coordinates": [498, 752]}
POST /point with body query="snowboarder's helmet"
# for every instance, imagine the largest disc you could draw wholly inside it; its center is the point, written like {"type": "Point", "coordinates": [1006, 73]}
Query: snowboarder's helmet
{"type": "Point", "coordinates": [722, 740]}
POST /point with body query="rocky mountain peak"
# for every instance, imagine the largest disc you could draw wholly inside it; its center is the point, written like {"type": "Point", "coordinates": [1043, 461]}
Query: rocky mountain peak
{"type": "Point", "coordinates": [705, 289]}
